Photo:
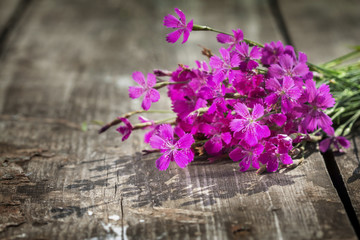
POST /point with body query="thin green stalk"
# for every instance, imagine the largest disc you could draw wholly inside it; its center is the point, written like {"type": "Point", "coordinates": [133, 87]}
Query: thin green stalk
{"type": "Point", "coordinates": [206, 28]}
{"type": "Point", "coordinates": [163, 84]}
{"type": "Point", "coordinates": [341, 59]}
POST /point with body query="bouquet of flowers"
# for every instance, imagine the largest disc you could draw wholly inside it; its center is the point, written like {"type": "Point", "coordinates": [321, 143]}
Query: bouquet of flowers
{"type": "Point", "coordinates": [256, 104]}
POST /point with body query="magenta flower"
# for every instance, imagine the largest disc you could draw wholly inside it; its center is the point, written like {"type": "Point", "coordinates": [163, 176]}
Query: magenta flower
{"type": "Point", "coordinates": [319, 100]}
{"type": "Point", "coordinates": [178, 151]}
{"type": "Point", "coordinates": [231, 40]}
{"type": "Point", "coordinates": [248, 156]}
{"type": "Point", "coordinates": [125, 130]}
{"type": "Point", "coordinates": [337, 142]}
{"type": "Point", "coordinates": [223, 66]}
{"type": "Point", "coordinates": [248, 127]}
{"type": "Point", "coordinates": [171, 21]}
{"type": "Point", "coordinates": [276, 151]}
{"type": "Point", "coordinates": [145, 88]}
{"type": "Point", "coordinates": [247, 58]}
{"type": "Point", "coordinates": [288, 92]}
{"type": "Point", "coordinates": [288, 66]}
{"type": "Point", "coordinates": [215, 144]}
{"type": "Point", "coordinates": [271, 52]}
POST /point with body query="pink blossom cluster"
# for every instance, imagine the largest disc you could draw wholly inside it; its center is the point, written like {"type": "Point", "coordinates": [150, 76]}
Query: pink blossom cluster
{"type": "Point", "coordinates": [250, 103]}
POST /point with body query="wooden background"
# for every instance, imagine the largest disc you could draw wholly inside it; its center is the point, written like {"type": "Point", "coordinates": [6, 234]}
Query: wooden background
{"type": "Point", "coordinates": [66, 62]}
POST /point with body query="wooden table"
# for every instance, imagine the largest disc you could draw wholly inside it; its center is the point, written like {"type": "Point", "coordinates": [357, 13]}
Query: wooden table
{"type": "Point", "coordinates": [66, 62]}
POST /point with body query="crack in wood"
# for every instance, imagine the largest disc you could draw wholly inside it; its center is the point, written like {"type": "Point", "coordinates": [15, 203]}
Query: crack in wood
{"type": "Point", "coordinates": [336, 178]}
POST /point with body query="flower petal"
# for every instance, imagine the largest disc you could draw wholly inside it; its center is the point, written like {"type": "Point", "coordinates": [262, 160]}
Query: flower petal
{"type": "Point", "coordinates": [174, 36]}
{"type": "Point", "coordinates": [226, 137]}
{"type": "Point", "coordinates": [151, 80]}
{"type": "Point", "coordinates": [325, 144]}
{"type": "Point", "coordinates": [157, 142]}
{"type": "Point", "coordinates": [135, 92]}
{"type": "Point", "coordinates": [181, 15]}
{"type": "Point", "coordinates": [237, 154]}
{"type": "Point", "coordinates": [186, 36]}
{"type": "Point", "coordinates": [146, 103]}
{"type": "Point", "coordinates": [185, 141]}
{"type": "Point", "coordinates": [258, 111]}
{"type": "Point", "coordinates": [286, 159]}
{"type": "Point", "coordinates": [273, 84]}
{"type": "Point", "coordinates": [163, 162]}
{"type": "Point", "coordinates": [245, 164]}
{"type": "Point", "coordinates": [237, 125]}
{"type": "Point", "coordinates": [242, 110]}
{"type": "Point", "coordinates": [224, 38]}
{"type": "Point", "coordinates": [181, 158]}
{"type": "Point", "coordinates": [262, 131]}
{"type": "Point", "coordinates": [216, 62]}
{"type": "Point", "coordinates": [272, 165]}
{"type": "Point", "coordinates": [276, 71]}
{"type": "Point", "coordinates": [171, 21]}
{"type": "Point", "coordinates": [153, 95]}
{"type": "Point", "coordinates": [343, 141]}
{"type": "Point", "coordinates": [166, 132]}
{"type": "Point", "coordinates": [139, 78]}
{"type": "Point", "coordinates": [214, 145]}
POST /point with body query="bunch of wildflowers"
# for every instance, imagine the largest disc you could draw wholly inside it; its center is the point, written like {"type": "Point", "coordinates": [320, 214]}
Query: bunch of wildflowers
{"type": "Point", "coordinates": [250, 102]}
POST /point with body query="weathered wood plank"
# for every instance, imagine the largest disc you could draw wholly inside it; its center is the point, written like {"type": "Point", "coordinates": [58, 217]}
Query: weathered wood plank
{"type": "Point", "coordinates": [349, 166]}
{"type": "Point", "coordinates": [323, 29]}
{"type": "Point", "coordinates": [71, 62]}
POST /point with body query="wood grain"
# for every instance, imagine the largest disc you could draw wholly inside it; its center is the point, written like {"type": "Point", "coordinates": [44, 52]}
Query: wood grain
{"type": "Point", "coordinates": [71, 62]}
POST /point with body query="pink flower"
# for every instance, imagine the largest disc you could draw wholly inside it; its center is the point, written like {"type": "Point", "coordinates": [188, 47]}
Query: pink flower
{"type": "Point", "coordinates": [178, 151]}
{"type": "Point", "coordinates": [223, 66]}
{"type": "Point", "coordinates": [248, 155]}
{"type": "Point", "coordinates": [288, 66]}
{"type": "Point", "coordinates": [171, 21]}
{"type": "Point", "coordinates": [319, 100]}
{"type": "Point", "coordinates": [247, 58]}
{"type": "Point", "coordinates": [339, 141]}
{"type": "Point", "coordinates": [276, 151]}
{"type": "Point", "coordinates": [271, 52]}
{"type": "Point", "coordinates": [125, 130]}
{"type": "Point", "coordinates": [248, 127]}
{"type": "Point", "coordinates": [288, 92]}
{"type": "Point", "coordinates": [145, 88]}
{"type": "Point", "coordinates": [231, 40]}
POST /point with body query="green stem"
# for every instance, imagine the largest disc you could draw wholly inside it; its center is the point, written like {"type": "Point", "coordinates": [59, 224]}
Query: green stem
{"type": "Point", "coordinates": [163, 84]}
{"type": "Point", "coordinates": [206, 28]}
{"type": "Point", "coordinates": [341, 59]}
{"type": "Point", "coordinates": [234, 96]}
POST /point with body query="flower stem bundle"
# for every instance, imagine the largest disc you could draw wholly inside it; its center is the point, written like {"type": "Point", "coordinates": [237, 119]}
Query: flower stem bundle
{"type": "Point", "coordinates": [257, 104]}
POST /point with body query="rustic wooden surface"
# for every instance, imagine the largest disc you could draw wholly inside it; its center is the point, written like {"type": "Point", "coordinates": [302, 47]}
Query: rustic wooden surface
{"type": "Point", "coordinates": [325, 34]}
{"type": "Point", "coordinates": [70, 61]}
{"type": "Point", "coordinates": [349, 166]}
